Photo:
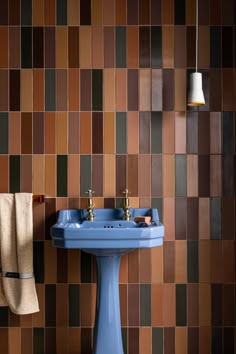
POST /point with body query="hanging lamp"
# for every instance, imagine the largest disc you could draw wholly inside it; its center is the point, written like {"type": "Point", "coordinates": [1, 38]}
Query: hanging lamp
{"type": "Point", "coordinates": [195, 95]}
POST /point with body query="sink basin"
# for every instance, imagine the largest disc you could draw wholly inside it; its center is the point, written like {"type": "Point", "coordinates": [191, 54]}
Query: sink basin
{"type": "Point", "coordinates": [108, 237]}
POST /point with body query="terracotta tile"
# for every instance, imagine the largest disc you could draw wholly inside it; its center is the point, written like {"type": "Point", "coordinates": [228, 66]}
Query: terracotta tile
{"type": "Point", "coordinates": [215, 175]}
{"type": "Point", "coordinates": [38, 90]}
{"type": "Point", "coordinates": [204, 305]}
{"type": "Point", "coordinates": [73, 12]}
{"type": "Point", "coordinates": [74, 89]}
{"type": "Point", "coordinates": [38, 13]}
{"type": "Point", "coordinates": [50, 257]}
{"type": "Point", "coordinates": [180, 46]}
{"type": "Point", "coordinates": [181, 340]}
{"type": "Point", "coordinates": [192, 175]}
{"type": "Point", "coordinates": [181, 262]}
{"type": "Point", "coordinates": [204, 218]}
{"type": "Point", "coordinates": [26, 341]}
{"type": "Point", "coordinates": [109, 47]}
{"type": "Point", "coordinates": [215, 133]}
{"type": "Point", "coordinates": [85, 44]}
{"type": "Point", "coordinates": [169, 218]}
{"type": "Point", "coordinates": [145, 266]}
{"type": "Point", "coordinates": [49, 12]}
{"type": "Point", "coordinates": [50, 176]}
{"type": "Point", "coordinates": [168, 46]}
{"type": "Point", "coordinates": [62, 306]}
{"type": "Point", "coordinates": [145, 90]}
{"type": "Point", "coordinates": [109, 89]}
{"type": "Point", "coordinates": [74, 340]}
{"type": "Point", "coordinates": [62, 340]}
{"type": "Point", "coordinates": [109, 139]}
{"type": "Point", "coordinates": [180, 132]}
{"type": "Point", "coordinates": [228, 93]}
{"type": "Point", "coordinates": [168, 12]}
{"type": "Point", "coordinates": [169, 176]}
{"type": "Point", "coordinates": [217, 271]}
{"type": "Point", "coordinates": [14, 133]}
{"type": "Point", "coordinates": [169, 261]}
{"type": "Point", "coordinates": [157, 264]}
{"type": "Point", "coordinates": [38, 132]}
{"type": "Point", "coordinates": [50, 139]}
{"type": "Point", "coordinates": [180, 89]}
{"type": "Point", "coordinates": [193, 304]}
{"type": "Point", "coordinates": [61, 89]}
{"type": "Point", "coordinates": [204, 47]}
{"type": "Point", "coordinates": [205, 340]}
{"type": "Point", "coordinates": [97, 36]}
{"type": "Point", "coordinates": [204, 261]}
{"type": "Point", "coordinates": [85, 132]}
{"type": "Point", "coordinates": [61, 203]}
{"type": "Point", "coordinates": [169, 305]}
{"type": "Point", "coordinates": [133, 266]}
{"type": "Point", "coordinates": [133, 174]}
{"type": "Point", "coordinates": [26, 173]}
{"type": "Point", "coordinates": [38, 173]}
{"type": "Point", "coordinates": [38, 317]}
{"type": "Point", "coordinates": [87, 304]}
{"type": "Point", "coordinates": [73, 47]}
{"type": "Point", "coordinates": [132, 47]}
{"type": "Point", "coordinates": [228, 261]}
{"type": "Point", "coordinates": [120, 12]}
{"type": "Point", "coordinates": [61, 132]}
{"type": "Point", "coordinates": [123, 275]}
{"type": "Point", "coordinates": [26, 133]}
{"type": "Point", "coordinates": [61, 44]}
{"type": "Point", "coordinates": [85, 90]}
{"type": "Point", "coordinates": [145, 335]}
{"type": "Point", "coordinates": [4, 165]}
{"type": "Point", "coordinates": [109, 176]}
{"type": "Point", "coordinates": [97, 12]}
{"type": "Point", "coordinates": [4, 35]}
{"type": "Point", "coordinates": [108, 12]}
{"type": "Point", "coordinates": [14, 340]}
{"type": "Point", "coordinates": [14, 47]}
{"type": "Point", "coordinates": [121, 90]}
{"type": "Point", "coordinates": [157, 305]}
{"type": "Point", "coordinates": [4, 85]}
{"type": "Point", "coordinates": [133, 133]}
{"type": "Point", "coordinates": [144, 176]}
{"type": "Point", "coordinates": [123, 292]}
{"type": "Point", "coordinates": [133, 304]}
{"type": "Point", "coordinates": [168, 132]}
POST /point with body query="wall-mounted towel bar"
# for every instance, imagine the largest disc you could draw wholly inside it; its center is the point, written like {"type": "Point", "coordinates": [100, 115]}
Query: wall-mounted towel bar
{"type": "Point", "coordinates": [38, 198]}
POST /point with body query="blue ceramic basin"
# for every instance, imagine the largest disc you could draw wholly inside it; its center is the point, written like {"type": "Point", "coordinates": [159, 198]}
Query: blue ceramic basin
{"type": "Point", "coordinates": [108, 231]}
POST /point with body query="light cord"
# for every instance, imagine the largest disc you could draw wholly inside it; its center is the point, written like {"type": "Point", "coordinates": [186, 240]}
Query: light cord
{"type": "Point", "coordinates": [196, 34]}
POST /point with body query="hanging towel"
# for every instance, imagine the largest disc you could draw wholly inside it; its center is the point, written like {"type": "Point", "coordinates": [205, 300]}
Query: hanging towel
{"type": "Point", "coordinates": [16, 240]}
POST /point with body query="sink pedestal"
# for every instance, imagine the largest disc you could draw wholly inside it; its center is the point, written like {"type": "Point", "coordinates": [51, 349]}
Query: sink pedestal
{"type": "Point", "coordinates": [107, 332]}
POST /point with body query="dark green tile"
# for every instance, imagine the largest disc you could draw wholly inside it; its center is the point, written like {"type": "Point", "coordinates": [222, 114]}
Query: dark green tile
{"type": "Point", "coordinates": [215, 217]}
{"type": "Point", "coordinates": [38, 259]}
{"type": "Point", "coordinates": [119, 203]}
{"type": "Point", "coordinates": [156, 46]}
{"type": "Point", "coordinates": [192, 270]}
{"type": "Point", "coordinates": [181, 304]}
{"type": "Point", "coordinates": [121, 138]}
{"type": "Point", "coordinates": [228, 132]}
{"type": "Point", "coordinates": [62, 12]}
{"type": "Point", "coordinates": [179, 12]}
{"type": "Point", "coordinates": [3, 133]}
{"type": "Point", "coordinates": [74, 305]}
{"type": "Point", "coordinates": [26, 47]}
{"type": "Point", "coordinates": [50, 90]}
{"type": "Point", "coordinates": [216, 341]}
{"type": "Point", "coordinates": [14, 173]}
{"type": "Point", "coordinates": [157, 340]}
{"type": "Point", "coordinates": [62, 176]}
{"type": "Point", "coordinates": [145, 305]}
{"type": "Point", "coordinates": [180, 176]}
{"type": "Point", "coordinates": [157, 203]}
{"type": "Point", "coordinates": [85, 174]}
{"type": "Point", "coordinates": [97, 89]}
{"type": "Point", "coordinates": [121, 47]}
{"type": "Point", "coordinates": [215, 46]}
{"type": "Point", "coordinates": [85, 267]}
{"type": "Point", "coordinates": [4, 317]}
{"type": "Point", "coordinates": [192, 132]}
{"type": "Point", "coordinates": [26, 12]}
{"type": "Point", "coordinates": [124, 339]}
{"type": "Point", "coordinates": [38, 341]}
{"type": "Point", "coordinates": [156, 132]}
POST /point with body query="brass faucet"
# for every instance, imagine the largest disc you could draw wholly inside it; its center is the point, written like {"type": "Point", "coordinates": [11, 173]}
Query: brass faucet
{"type": "Point", "coordinates": [127, 214]}
{"type": "Point", "coordinates": [90, 215]}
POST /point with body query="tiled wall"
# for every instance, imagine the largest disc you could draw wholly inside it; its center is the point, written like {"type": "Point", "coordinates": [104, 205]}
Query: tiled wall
{"type": "Point", "coordinates": [93, 94]}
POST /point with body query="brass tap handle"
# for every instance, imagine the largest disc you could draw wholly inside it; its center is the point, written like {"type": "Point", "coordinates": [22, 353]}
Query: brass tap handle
{"type": "Point", "coordinates": [90, 207]}
{"type": "Point", "coordinates": [127, 214]}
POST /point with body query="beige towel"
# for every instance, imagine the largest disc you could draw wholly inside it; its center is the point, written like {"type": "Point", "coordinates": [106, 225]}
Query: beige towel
{"type": "Point", "coordinates": [16, 237]}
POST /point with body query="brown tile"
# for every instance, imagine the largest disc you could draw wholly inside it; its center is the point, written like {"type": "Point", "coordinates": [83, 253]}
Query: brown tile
{"type": "Point", "coordinates": [120, 11]}
{"type": "Point", "coordinates": [85, 90]}
{"type": "Point", "coordinates": [228, 221]}
{"type": "Point", "coordinates": [26, 133]}
{"type": "Point", "coordinates": [49, 12]}
{"type": "Point", "coordinates": [14, 47]}
{"type": "Point", "coordinates": [108, 12]}
{"type": "Point", "coordinates": [191, 50]}
{"type": "Point", "coordinates": [192, 303]}
{"type": "Point", "coordinates": [87, 304]}
{"type": "Point", "coordinates": [14, 341]}
{"type": "Point", "coordinates": [204, 218]}
{"type": "Point", "coordinates": [38, 13]}
{"type": "Point", "coordinates": [168, 46]}
{"type": "Point", "coordinates": [4, 87]}
{"type": "Point", "coordinates": [180, 90]}
{"type": "Point", "coordinates": [97, 132]}
{"type": "Point", "coordinates": [203, 10]}
{"type": "Point", "coordinates": [123, 293]}
{"type": "Point", "coordinates": [204, 261]}
{"type": "Point", "coordinates": [38, 317]}
{"type": "Point", "coordinates": [97, 174]}
{"type": "Point", "coordinates": [133, 304]}
{"type": "Point", "coordinates": [61, 132]}
{"type": "Point", "coordinates": [61, 44]}
{"type": "Point", "coordinates": [50, 262]}
{"type": "Point", "coordinates": [62, 306]}
{"type": "Point", "coordinates": [97, 51]}
{"type": "Point", "coordinates": [61, 88]}
{"type": "Point", "coordinates": [144, 181]}
{"type": "Point", "coordinates": [38, 173]}
{"type": "Point", "coordinates": [204, 46]}
{"type": "Point", "coordinates": [14, 133]}
{"type": "Point", "coordinates": [157, 305]}
{"type": "Point", "coordinates": [133, 340]}
{"type": "Point", "coordinates": [38, 90]}
{"type": "Point", "coordinates": [133, 266]}
{"type": "Point", "coordinates": [73, 12]}
{"type": "Point", "coordinates": [192, 175]}
{"type": "Point", "coordinates": [204, 175]}
{"type": "Point", "coordinates": [144, 132]}
{"type": "Point", "coordinates": [4, 13]}
{"type": "Point", "coordinates": [109, 176]}
{"type": "Point", "coordinates": [215, 12]}
{"type": "Point", "coordinates": [190, 12]}
{"type": "Point", "coordinates": [26, 340]}
{"type": "Point", "coordinates": [228, 93]}
{"type": "Point", "coordinates": [85, 47]}
{"type": "Point", "coordinates": [74, 340]}
{"type": "Point", "coordinates": [203, 133]}
{"type": "Point", "coordinates": [38, 132]}
{"type": "Point", "coordinates": [205, 340]}
{"type": "Point", "coordinates": [204, 304]}
{"type": "Point", "coordinates": [14, 90]}
{"type": "Point", "coordinates": [215, 94]}
{"type": "Point", "coordinates": [156, 175]}
{"type": "Point", "coordinates": [168, 175]}
{"type": "Point", "coordinates": [132, 12]}
{"type": "Point", "coordinates": [215, 133]}
{"type": "Point", "coordinates": [26, 321]}
{"type": "Point", "coordinates": [169, 218]}
{"type": "Point", "coordinates": [180, 46]}
{"type": "Point", "coordinates": [156, 15]}
{"type": "Point", "coordinates": [26, 174]}
{"type": "Point", "coordinates": [97, 12]}
{"type": "Point", "coordinates": [168, 89]}
{"type": "Point", "coordinates": [133, 90]}
{"type": "Point", "coordinates": [157, 264]}
{"type": "Point", "coordinates": [145, 266]}
{"type": "Point", "coordinates": [181, 262]}
{"type": "Point", "coordinates": [62, 340]}
{"type": "Point", "coordinates": [181, 340]}
{"type": "Point", "coordinates": [38, 221]}
{"type": "Point", "coordinates": [74, 89]}
{"type": "Point", "coordinates": [133, 133]}
{"type": "Point", "coordinates": [4, 35]}
{"type": "Point", "coordinates": [50, 138]}
{"type": "Point", "coordinates": [156, 99]}
{"type": "Point", "coordinates": [180, 132]}
{"type": "Point", "coordinates": [169, 305]}
{"type": "Point", "coordinates": [145, 90]}
{"type": "Point", "coordinates": [168, 133]}
{"type": "Point", "coordinates": [133, 174]}
{"type": "Point", "coordinates": [50, 176]}
{"type": "Point", "coordinates": [168, 12]}
{"type": "Point", "coordinates": [120, 174]}
{"type": "Point", "coordinates": [123, 275]}
{"type": "Point", "coordinates": [4, 168]}
{"type": "Point", "coordinates": [73, 139]}
{"type": "Point", "coordinates": [145, 337]}
{"type": "Point", "coordinates": [215, 175]}
{"type": "Point", "coordinates": [74, 266]}
{"type": "Point", "coordinates": [121, 90]}
{"type": "Point", "coordinates": [49, 51]}
{"type": "Point", "coordinates": [169, 261]}
{"type": "Point", "coordinates": [217, 271]}
{"type": "Point", "coordinates": [144, 12]}
{"type": "Point", "coordinates": [227, 12]}
{"type": "Point", "coordinates": [109, 132]}
{"type": "Point", "coordinates": [109, 47]}
{"type": "Point", "coordinates": [228, 261]}
{"type": "Point", "coordinates": [228, 305]}
{"type": "Point", "coordinates": [109, 89]}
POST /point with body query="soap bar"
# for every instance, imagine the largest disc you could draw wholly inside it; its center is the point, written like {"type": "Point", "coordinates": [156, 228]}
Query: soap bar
{"type": "Point", "coordinates": [146, 219]}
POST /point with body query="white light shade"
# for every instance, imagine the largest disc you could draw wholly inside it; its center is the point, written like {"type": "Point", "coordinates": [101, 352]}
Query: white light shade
{"type": "Point", "coordinates": [196, 96]}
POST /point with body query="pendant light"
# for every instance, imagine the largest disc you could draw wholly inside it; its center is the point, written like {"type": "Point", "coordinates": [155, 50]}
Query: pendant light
{"type": "Point", "coordinates": [195, 95]}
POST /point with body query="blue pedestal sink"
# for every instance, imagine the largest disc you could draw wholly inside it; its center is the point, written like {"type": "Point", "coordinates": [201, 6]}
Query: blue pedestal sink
{"type": "Point", "coordinates": [108, 237]}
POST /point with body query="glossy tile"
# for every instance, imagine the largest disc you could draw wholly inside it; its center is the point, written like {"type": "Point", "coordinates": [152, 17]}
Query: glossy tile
{"type": "Point", "coordinates": [85, 49]}
{"type": "Point", "coordinates": [133, 92]}
{"type": "Point", "coordinates": [73, 47]}
{"type": "Point", "coordinates": [168, 90]}
{"type": "Point", "coordinates": [144, 47]}
{"type": "Point", "coordinates": [168, 46]}
{"type": "Point", "coordinates": [192, 261]}
{"type": "Point", "coordinates": [180, 46]}
{"type": "Point", "coordinates": [109, 47]}
{"type": "Point", "coordinates": [132, 47]}
{"type": "Point", "coordinates": [180, 218]}
{"type": "Point", "coordinates": [121, 47]}
{"type": "Point", "coordinates": [181, 304]}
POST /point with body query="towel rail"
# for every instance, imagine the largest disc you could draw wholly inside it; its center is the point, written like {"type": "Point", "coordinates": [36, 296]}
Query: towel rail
{"type": "Point", "coordinates": [38, 198]}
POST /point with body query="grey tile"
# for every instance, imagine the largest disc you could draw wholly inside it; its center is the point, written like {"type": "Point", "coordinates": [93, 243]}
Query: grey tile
{"type": "Point", "coordinates": [192, 261]}
{"type": "Point", "coordinates": [181, 304]}
{"type": "Point", "coordinates": [145, 305]}
{"type": "Point", "coordinates": [157, 340]}
{"type": "Point", "coordinates": [121, 133]}
{"type": "Point", "coordinates": [121, 47]}
{"type": "Point", "coordinates": [192, 132]}
{"type": "Point", "coordinates": [85, 174]}
{"type": "Point", "coordinates": [180, 176]}
{"type": "Point", "coordinates": [156, 132]}
{"type": "Point", "coordinates": [74, 305]}
{"type": "Point", "coordinates": [3, 133]}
